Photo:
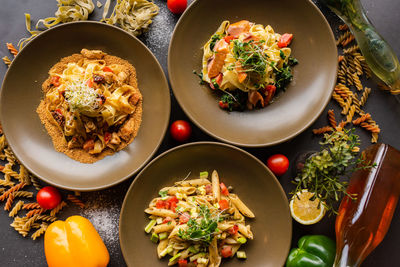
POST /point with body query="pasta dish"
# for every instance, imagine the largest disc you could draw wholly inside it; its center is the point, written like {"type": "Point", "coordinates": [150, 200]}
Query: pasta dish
{"type": "Point", "coordinates": [92, 106]}
{"type": "Point", "coordinates": [198, 222]}
{"type": "Point", "coordinates": [247, 63]}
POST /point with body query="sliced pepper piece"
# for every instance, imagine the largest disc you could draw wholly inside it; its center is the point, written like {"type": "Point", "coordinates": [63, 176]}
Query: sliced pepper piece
{"type": "Point", "coordinates": [312, 251]}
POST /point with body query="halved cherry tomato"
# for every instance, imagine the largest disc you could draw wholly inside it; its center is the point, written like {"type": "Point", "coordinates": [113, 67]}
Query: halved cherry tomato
{"type": "Point", "coordinates": [107, 69]}
{"type": "Point", "coordinates": [48, 197]}
{"type": "Point", "coordinates": [224, 189]}
{"type": "Point", "coordinates": [278, 164]}
{"type": "Point", "coordinates": [171, 203]}
{"type": "Point", "coordinates": [184, 218]}
{"type": "Point", "coordinates": [88, 145]}
{"type": "Point", "coordinates": [223, 204]}
{"type": "Point", "coordinates": [271, 92]}
{"type": "Point", "coordinates": [182, 263]}
{"type": "Point", "coordinates": [233, 230]}
{"type": "Point", "coordinates": [223, 105]}
{"type": "Point", "coordinates": [55, 80]}
{"type": "Point", "coordinates": [229, 38]}
{"type": "Point", "coordinates": [226, 251]}
{"type": "Point", "coordinates": [285, 40]}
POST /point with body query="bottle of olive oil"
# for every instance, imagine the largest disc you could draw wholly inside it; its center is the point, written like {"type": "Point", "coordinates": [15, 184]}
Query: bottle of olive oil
{"type": "Point", "coordinates": [377, 52]}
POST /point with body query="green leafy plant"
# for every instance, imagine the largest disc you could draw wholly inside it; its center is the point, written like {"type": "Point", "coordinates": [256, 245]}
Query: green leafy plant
{"type": "Point", "coordinates": [323, 173]}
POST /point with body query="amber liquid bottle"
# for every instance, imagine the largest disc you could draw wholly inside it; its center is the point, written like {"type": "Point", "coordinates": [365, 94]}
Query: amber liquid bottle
{"type": "Point", "coordinates": [362, 223]}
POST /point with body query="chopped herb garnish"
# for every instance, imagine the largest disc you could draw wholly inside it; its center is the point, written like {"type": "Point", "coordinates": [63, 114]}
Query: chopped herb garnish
{"type": "Point", "coordinates": [236, 100]}
{"type": "Point", "coordinates": [283, 77]}
{"type": "Point", "coordinates": [292, 61]}
{"type": "Point", "coordinates": [281, 54]}
{"type": "Point", "coordinates": [202, 228]}
{"type": "Point", "coordinates": [200, 76]}
{"type": "Point", "coordinates": [214, 40]}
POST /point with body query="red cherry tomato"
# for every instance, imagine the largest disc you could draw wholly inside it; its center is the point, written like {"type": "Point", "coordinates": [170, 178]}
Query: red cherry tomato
{"type": "Point", "coordinates": [180, 130]}
{"type": "Point", "coordinates": [224, 190]}
{"type": "Point", "coordinates": [226, 251]}
{"type": "Point", "coordinates": [278, 164]}
{"type": "Point", "coordinates": [48, 197]}
{"type": "Point", "coordinates": [177, 6]}
{"type": "Point", "coordinates": [233, 230]}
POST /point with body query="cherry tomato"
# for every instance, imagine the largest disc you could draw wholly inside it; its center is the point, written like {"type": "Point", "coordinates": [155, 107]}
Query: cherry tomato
{"type": "Point", "coordinates": [180, 130]}
{"type": "Point", "coordinates": [48, 197]}
{"type": "Point", "coordinates": [278, 164]}
{"type": "Point", "coordinates": [226, 251]}
{"type": "Point", "coordinates": [177, 6]}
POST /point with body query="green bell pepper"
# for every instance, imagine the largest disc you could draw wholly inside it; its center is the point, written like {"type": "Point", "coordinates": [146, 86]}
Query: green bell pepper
{"type": "Point", "coordinates": [312, 251]}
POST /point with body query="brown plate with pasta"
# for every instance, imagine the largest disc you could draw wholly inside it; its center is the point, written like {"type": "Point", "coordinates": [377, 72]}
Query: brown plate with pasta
{"type": "Point", "coordinates": [237, 51]}
{"type": "Point", "coordinates": [104, 112]}
{"type": "Point", "coordinates": [205, 203]}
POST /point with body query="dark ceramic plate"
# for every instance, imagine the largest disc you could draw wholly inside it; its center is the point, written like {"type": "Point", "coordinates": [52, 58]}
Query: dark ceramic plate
{"type": "Point", "coordinates": [252, 181]}
{"type": "Point", "coordinates": [294, 110]}
{"type": "Point", "coordinates": [21, 94]}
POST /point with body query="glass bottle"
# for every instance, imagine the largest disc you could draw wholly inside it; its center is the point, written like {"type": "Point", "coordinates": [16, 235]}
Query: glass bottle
{"type": "Point", "coordinates": [363, 222]}
{"type": "Point", "coordinates": [377, 52]}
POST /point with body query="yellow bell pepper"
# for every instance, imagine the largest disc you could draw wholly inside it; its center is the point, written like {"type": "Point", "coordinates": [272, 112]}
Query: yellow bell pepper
{"type": "Point", "coordinates": [74, 243]}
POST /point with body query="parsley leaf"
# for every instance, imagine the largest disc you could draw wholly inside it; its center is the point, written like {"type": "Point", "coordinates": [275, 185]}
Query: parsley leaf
{"type": "Point", "coordinates": [214, 40]}
{"type": "Point", "coordinates": [163, 193]}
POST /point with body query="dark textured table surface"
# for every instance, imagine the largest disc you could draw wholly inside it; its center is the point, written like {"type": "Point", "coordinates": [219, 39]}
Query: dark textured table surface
{"type": "Point", "coordinates": [103, 207]}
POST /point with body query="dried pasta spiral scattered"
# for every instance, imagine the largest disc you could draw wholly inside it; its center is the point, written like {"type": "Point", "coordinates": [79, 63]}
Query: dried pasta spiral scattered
{"type": "Point", "coordinates": [30, 206]}
{"type": "Point", "coordinates": [16, 208]}
{"type": "Point", "coordinates": [322, 130]}
{"type": "Point", "coordinates": [9, 202]}
{"type": "Point", "coordinates": [370, 127]}
{"type": "Point", "coordinates": [361, 119]}
{"type": "Point", "coordinates": [75, 201]}
{"type": "Point", "coordinates": [6, 60]}
{"type": "Point", "coordinates": [331, 118]}
{"type": "Point", "coordinates": [35, 212]}
{"type": "Point", "coordinates": [364, 96]}
{"type": "Point", "coordinates": [11, 190]}
{"type": "Point", "coordinates": [40, 231]}
{"type": "Point", "coordinates": [60, 206]}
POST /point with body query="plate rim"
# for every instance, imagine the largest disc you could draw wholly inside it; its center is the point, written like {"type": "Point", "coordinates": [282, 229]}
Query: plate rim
{"type": "Point", "coordinates": [240, 144]}
{"type": "Point", "coordinates": [200, 143]}
{"type": "Point", "coordinates": [159, 141]}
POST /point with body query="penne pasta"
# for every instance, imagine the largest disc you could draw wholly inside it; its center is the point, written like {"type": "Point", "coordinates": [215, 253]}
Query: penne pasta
{"type": "Point", "coordinates": [198, 222]}
{"type": "Point", "coordinates": [161, 212]}
{"type": "Point", "coordinates": [241, 206]}
{"type": "Point", "coordinates": [215, 186]}
{"type": "Point", "coordinates": [194, 182]}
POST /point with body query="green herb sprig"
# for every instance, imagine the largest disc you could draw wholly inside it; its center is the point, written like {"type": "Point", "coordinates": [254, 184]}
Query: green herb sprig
{"type": "Point", "coordinates": [202, 228]}
{"type": "Point", "coordinates": [323, 173]}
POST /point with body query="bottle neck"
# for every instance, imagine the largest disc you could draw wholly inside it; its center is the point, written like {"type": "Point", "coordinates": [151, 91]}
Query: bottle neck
{"type": "Point", "coordinates": [344, 259]}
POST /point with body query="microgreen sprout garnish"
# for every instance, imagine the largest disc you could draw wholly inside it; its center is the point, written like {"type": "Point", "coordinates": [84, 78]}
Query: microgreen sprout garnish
{"type": "Point", "coordinates": [203, 227]}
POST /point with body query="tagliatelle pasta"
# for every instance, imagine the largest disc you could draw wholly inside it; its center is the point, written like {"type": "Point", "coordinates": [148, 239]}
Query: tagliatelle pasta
{"type": "Point", "coordinates": [248, 62]}
{"type": "Point", "coordinates": [92, 106]}
{"type": "Point", "coordinates": [199, 226]}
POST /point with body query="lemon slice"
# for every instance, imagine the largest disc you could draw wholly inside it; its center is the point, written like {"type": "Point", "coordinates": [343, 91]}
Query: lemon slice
{"type": "Point", "coordinates": [304, 210]}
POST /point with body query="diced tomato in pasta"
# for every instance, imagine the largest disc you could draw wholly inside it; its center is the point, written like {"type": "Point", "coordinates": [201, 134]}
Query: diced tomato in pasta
{"type": "Point", "coordinates": [88, 145]}
{"type": "Point", "coordinates": [107, 137]}
{"type": "Point", "coordinates": [107, 69]}
{"type": "Point", "coordinates": [223, 204]}
{"type": "Point", "coordinates": [224, 189]}
{"type": "Point", "coordinates": [184, 218]}
{"type": "Point", "coordinates": [182, 263]}
{"type": "Point", "coordinates": [208, 189]}
{"type": "Point", "coordinates": [226, 251]}
{"type": "Point", "coordinates": [167, 220]}
{"type": "Point", "coordinates": [233, 230]}
{"type": "Point", "coordinates": [160, 204]}
{"type": "Point", "coordinates": [285, 40]}
{"type": "Point", "coordinates": [55, 80]}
